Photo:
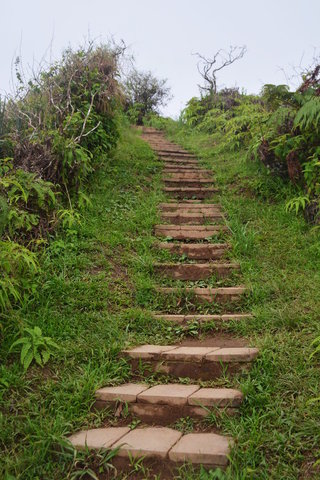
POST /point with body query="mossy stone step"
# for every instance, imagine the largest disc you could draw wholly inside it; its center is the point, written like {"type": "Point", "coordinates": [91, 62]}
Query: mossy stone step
{"type": "Point", "coordinates": [189, 206]}
{"type": "Point", "coordinates": [185, 319]}
{"type": "Point", "coordinates": [196, 217]}
{"type": "Point", "coordinates": [223, 295]}
{"type": "Point", "coordinates": [190, 192]}
{"type": "Point", "coordinates": [195, 271]}
{"type": "Point", "coordinates": [196, 251]}
{"type": "Point", "coordinates": [189, 232]}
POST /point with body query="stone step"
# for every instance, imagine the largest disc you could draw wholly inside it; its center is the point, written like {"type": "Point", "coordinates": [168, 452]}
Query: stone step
{"type": "Point", "coordinates": [194, 183]}
{"type": "Point", "coordinates": [191, 218]}
{"type": "Point", "coordinates": [163, 404]}
{"type": "Point", "coordinates": [183, 160]}
{"type": "Point", "coordinates": [195, 271]}
{"type": "Point", "coordinates": [222, 295]}
{"type": "Point", "coordinates": [187, 176]}
{"type": "Point", "coordinates": [186, 171]}
{"type": "Point", "coordinates": [186, 232]}
{"type": "Point", "coordinates": [184, 319]}
{"type": "Point", "coordinates": [181, 167]}
{"type": "Point", "coordinates": [157, 443]}
{"type": "Point", "coordinates": [173, 206]}
{"type": "Point", "coordinates": [190, 192]}
{"type": "Point", "coordinates": [196, 251]}
{"type": "Point", "coordinates": [206, 363]}
{"type": "Point", "coordinates": [172, 153]}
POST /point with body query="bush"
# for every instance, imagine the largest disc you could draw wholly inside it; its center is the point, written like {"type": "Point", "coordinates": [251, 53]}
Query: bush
{"type": "Point", "coordinates": [145, 94]}
{"type": "Point", "coordinates": [279, 127]}
{"type": "Point", "coordinates": [54, 133]}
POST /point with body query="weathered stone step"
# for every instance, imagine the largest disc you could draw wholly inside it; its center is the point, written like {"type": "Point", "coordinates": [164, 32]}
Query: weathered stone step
{"type": "Point", "coordinates": [187, 182]}
{"type": "Point", "coordinates": [163, 404]}
{"type": "Point", "coordinates": [175, 153]}
{"type": "Point", "coordinates": [222, 295]}
{"type": "Point", "coordinates": [196, 251]}
{"type": "Point", "coordinates": [195, 271]}
{"type": "Point", "coordinates": [187, 176]}
{"type": "Point", "coordinates": [183, 161]}
{"type": "Point", "coordinates": [186, 232]}
{"type": "Point", "coordinates": [190, 192]}
{"type": "Point", "coordinates": [172, 206]}
{"type": "Point", "coordinates": [181, 167]}
{"type": "Point", "coordinates": [157, 443]}
{"type": "Point", "coordinates": [186, 171]}
{"type": "Point", "coordinates": [181, 319]}
{"type": "Point", "coordinates": [191, 218]}
{"type": "Point", "coordinates": [193, 362]}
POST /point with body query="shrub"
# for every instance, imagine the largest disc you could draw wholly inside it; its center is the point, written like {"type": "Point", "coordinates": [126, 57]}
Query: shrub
{"type": "Point", "coordinates": [145, 94]}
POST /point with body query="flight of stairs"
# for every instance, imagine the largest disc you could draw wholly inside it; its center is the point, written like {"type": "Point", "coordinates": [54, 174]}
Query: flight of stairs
{"type": "Point", "coordinates": [193, 232]}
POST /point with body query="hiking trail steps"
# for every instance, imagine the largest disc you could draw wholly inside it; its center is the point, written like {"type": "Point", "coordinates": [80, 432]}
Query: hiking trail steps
{"type": "Point", "coordinates": [195, 231]}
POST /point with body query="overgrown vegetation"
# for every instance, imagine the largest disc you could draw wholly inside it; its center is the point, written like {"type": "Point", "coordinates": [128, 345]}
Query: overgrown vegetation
{"type": "Point", "coordinates": [278, 127]}
{"type": "Point", "coordinates": [277, 431]}
{"type": "Point", "coordinates": [145, 94]}
{"type": "Point", "coordinates": [88, 292]}
{"type": "Point", "coordinates": [56, 131]}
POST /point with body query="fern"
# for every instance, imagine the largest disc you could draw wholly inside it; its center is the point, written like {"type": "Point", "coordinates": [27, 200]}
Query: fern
{"type": "Point", "coordinates": [297, 204]}
{"type": "Point", "coordinates": [308, 116]}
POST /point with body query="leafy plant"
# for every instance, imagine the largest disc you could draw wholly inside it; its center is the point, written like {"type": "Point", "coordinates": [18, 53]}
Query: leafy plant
{"type": "Point", "coordinates": [297, 204]}
{"type": "Point", "coordinates": [19, 267]}
{"type": "Point", "coordinates": [34, 346]}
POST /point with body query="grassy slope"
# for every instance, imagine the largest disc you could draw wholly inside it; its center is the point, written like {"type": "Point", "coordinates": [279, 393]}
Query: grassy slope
{"type": "Point", "coordinates": [92, 290]}
{"type": "Point", "coordinates": [278, 433]}
{"type": "Point", "coordinates": [96, 292]}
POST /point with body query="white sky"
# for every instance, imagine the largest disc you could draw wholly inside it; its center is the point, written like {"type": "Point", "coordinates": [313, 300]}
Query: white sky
{"type": "Point", "coordinates": [164, 33]}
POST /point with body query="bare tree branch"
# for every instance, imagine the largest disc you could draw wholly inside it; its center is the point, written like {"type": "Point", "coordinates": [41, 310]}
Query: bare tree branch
{"type": "Point", "coordinates": [209, 67]}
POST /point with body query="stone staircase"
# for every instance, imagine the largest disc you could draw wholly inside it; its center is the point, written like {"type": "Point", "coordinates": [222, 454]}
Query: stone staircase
{"type": "Point", "coordinates": [194, 231]}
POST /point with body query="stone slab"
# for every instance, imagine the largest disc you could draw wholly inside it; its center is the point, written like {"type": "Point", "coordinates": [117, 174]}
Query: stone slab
{"type": "Point", "coordinates": [148, 351]}
{"type": "Point", "coordinates": [98, 438]}
{"type": "Point", "coordinates": [148, 442]}
{"type": "Point", "coordinates": [201, 448]}
{"type": "Point", "coordinates": [188, 354]}
{"type": "Point", "coordinates": [220, 397]}
{"type": "Point", "coordinates": [125, 393]}
{"type": "Point", "coordinates": [196, 251]}
{"type": "Point", "coordinates": [237, 354]}
{"type": "Point", "coordinates": [170, 394]}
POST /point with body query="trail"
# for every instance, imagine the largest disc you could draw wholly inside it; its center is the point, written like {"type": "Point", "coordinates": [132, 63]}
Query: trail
{"type": "Point", "coordinates": [194, 231]}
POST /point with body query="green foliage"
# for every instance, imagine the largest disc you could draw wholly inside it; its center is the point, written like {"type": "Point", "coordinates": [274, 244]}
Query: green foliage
{"type": "Point", "coordinates": [308, 116]}
{"type": "Point", "coordinates": [27, 198]}
{"type": "Point", "coordinates": [34, 346]}
{"type": "Point", "coordinates": [280, 128]}
{"type": "Point", "coordinates": [145, 94]}
{"type": "Point", "coordinates": [19, 267]}
{"type": "Point", "coordinates": [297, 204]}
{"type": "Point", "coordinates": [56, 133]}
{"type": "Point", "coordinates": [275, 96]}
{"type": "Point", "coordinates": [316, 344]}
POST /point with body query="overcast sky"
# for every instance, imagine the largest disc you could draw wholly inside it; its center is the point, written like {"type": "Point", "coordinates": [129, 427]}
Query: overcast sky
{"type": "Point", "coordinates": [163, 34]}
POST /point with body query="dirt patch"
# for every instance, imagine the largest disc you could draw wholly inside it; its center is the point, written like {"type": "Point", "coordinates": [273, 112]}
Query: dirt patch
{"type": "Point", "coordinates": [308, 469]}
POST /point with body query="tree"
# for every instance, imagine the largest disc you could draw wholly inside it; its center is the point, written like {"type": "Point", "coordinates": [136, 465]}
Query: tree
{"type": "Point", "coordinates": [145, 94]}
{"type": "Point", "coordinates": [209, 67]}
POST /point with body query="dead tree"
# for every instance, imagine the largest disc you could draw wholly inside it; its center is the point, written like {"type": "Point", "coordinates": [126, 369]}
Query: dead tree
{"type": "Point", "coordinates": [209, 67]}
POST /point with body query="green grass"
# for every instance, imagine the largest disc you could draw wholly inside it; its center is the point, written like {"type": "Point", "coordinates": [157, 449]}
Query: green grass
{"type": "Point", "coordinates": [93, 290]}
{"type": "Point", "coordinates": [278, 431]}
{"type": "Point", "coordinates": [96, 294]}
